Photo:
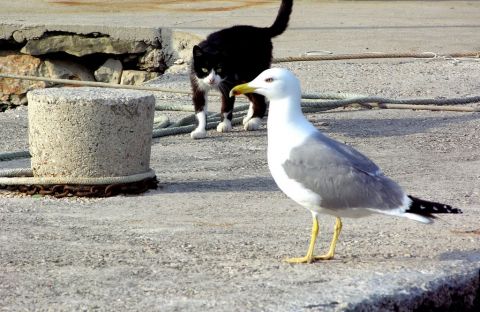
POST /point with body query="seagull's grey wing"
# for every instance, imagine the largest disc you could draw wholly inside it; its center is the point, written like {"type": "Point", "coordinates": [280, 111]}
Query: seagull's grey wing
{"type": "Point", "coordinates": [342, 176]}
{"type": "Point", "coordinates": [357, 159]}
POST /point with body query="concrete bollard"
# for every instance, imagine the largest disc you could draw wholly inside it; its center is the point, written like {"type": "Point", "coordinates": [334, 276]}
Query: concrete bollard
{"type": "Point", "coordinates": [89, 132]}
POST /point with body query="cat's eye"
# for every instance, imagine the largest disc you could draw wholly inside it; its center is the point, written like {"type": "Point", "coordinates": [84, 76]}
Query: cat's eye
{"type": "Point", "coordinates": [204, 70]}
{"type": "Point", "coordinates": [269, 80]}
{"type": "Point", "coordinates": [219, 70]}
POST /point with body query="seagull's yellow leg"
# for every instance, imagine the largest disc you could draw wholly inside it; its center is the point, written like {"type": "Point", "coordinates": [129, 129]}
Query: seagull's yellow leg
{"type": "Point", "coordinates": [309, 257]}
{"type": "Point", "coordinates": [333, 244]}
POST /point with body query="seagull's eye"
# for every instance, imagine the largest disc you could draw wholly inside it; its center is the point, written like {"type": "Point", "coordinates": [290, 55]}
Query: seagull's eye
{"type": "Point", "coordinates": [269, 80]}
{"type": "Point", "coordinates": [204, 70]}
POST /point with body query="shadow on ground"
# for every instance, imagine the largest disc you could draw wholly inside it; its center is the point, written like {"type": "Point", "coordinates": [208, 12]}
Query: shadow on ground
{"type": "Point", "coordinates": [259, 184]}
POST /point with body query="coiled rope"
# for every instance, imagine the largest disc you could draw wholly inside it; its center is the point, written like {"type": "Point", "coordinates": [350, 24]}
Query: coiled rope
{"type": "Point", "coordinates": [374, 55]}
{"type": "Point", "coordinates": [24, 176]}
{"type": "Point", "coordinates": [310, 103]}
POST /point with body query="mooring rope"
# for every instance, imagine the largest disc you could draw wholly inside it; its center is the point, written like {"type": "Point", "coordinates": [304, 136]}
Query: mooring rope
{"type": "Point", "coordinates": [14, 155]}
{"type": "Point", "coordinates": [374, 55]}
{"type": "Point", "coordinates": [310, 103]}
{"type": "Point", "coordinates": [162, 126]}
{"type": "Point", "coordinates": [385, 100]}
{"type": "Point", "coordinates": [25, 176]}
{"type": "Point", "coordinates": [303, 58]}
{"type": "Point", "coordinates": [93, 84]}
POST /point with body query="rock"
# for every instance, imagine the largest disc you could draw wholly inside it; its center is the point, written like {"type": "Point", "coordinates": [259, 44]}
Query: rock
{"type": "Point", "coordinates": [81, 45]}
{"type": "Point", "coordinates": [62, 69]}
{"type": "Point", "coordinates": [129, 58]}
{"type": "Point", "coordinates": [136, 77]}
{"type": "Point", "coordinates": [178, 45]}
{"type": "Point", "coordinates": [13, 91]}
{"type": "Point", "coordinates": [178, 69]}
{"type": "Point", "coordinates": [152, 60]}
{"type": "Point", "coordinates": [18, 99]}
{"type": "Point", "coordinates": [110, 71]}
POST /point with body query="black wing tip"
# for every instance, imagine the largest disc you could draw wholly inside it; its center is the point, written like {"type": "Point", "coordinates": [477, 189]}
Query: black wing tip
{"type": "Point", "coordinates": [427, 208]}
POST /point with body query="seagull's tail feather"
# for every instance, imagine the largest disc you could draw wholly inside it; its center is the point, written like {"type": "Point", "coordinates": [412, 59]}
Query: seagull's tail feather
{"type": "Point", "coordinates": [283, 16]}
{"type": "Point", "coordinates": [424, 208]}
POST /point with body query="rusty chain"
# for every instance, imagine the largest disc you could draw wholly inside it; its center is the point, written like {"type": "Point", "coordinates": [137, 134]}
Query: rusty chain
{"type": "Point", "coordinates": [66, 190]}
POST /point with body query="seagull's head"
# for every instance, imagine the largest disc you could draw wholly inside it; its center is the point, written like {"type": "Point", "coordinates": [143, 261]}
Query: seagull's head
{"type": "Point", "coordinates": [273, 83]}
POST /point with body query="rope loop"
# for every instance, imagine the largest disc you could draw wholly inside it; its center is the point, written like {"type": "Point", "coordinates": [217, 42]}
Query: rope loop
{"type": "Point", "coordinates": [22, 178]}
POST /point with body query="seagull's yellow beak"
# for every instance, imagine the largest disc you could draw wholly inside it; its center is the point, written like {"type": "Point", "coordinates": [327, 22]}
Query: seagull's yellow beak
{"type": "Point", "coordinates": [242, 89]}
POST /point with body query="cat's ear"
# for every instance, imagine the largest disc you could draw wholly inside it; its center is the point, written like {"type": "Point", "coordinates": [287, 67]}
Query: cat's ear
{"type": "Point", "coordinates": [197, 51]}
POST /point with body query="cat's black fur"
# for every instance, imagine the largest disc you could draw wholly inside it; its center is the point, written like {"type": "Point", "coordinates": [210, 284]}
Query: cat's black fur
{"type": "Point", "coordinates": [237, 55]}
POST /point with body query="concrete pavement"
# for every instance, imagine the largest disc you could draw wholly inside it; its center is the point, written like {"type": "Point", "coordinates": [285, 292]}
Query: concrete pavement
{"type": "Point", "coordinates": [213, 237]}
{"type": "Point", "coordinates": [335, 26]}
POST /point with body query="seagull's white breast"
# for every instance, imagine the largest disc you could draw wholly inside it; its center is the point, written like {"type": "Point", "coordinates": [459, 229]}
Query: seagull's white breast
{"type": "Point", "coordinates": [281, 140]}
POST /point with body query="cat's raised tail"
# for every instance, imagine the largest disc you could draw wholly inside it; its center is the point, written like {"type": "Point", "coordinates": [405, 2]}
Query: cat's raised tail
{"type": "Point", "coordinates": [281, 22]}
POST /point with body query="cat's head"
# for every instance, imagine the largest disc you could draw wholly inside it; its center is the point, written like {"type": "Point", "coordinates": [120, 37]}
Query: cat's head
{"type": "Point", "coordinates": [208, 67]}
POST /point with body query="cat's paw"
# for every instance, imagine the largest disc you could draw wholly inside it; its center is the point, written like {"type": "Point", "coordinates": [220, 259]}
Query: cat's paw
{"type": "Point", "coordinates": [198, 133]}
{"type": "Point", "coordinates": [253, 124]}
{"type": "Point", "coordinates": [224, 126]}
{"type": "Point", "coordinates": [249, 115]}
{"type": "Point", "coordinates": [246, 119]}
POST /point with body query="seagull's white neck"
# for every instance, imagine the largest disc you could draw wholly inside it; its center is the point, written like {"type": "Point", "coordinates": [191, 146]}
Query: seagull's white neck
{"type": "Point", "coordinates": [286, 122]}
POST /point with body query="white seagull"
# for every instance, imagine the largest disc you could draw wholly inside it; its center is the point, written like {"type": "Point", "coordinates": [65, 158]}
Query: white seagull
{"type": "Point", "coordinates": [322, 174]}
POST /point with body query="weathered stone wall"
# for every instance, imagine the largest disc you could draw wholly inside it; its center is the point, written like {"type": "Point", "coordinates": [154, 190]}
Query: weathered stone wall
{"type": "Point", "coordinates": [12, 91]}
{"type": "Point", "coordinates": [90, 57]}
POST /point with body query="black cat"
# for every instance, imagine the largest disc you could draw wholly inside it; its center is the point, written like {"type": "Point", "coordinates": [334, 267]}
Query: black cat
{"type": "Point", "coordinates": [229, 57]}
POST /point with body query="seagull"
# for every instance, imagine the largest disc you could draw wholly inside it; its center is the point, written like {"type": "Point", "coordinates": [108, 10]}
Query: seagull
{"type": "Point", "coordinates": [322, 174]}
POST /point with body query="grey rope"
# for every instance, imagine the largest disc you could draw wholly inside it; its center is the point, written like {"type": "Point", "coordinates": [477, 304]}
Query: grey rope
{"type": "Point", "coordinates": [162, 126]}
{"type": "Point", "coordinates": [25, 177]}
{"type": "Point", "coordinates": [93, 84]}
{"type": "Point", "coordinates": [16, 172]}
{"type": "Point", "coordinates": [351, 98]}
{"type": "Point", "coordinates": [14, 155]}
{"type": "Point", "coordinates": [374, 55]}
{"type": "Point", "coordinates": [310, 103]}
{"type": "Point", "coordinates": [161, 121]}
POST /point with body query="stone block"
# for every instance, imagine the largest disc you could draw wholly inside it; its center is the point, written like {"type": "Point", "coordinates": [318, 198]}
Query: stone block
{"type": "Point", "coordinates": [109, 72]}
{"type": "Point", "coordinates": [137, 77]}
{"type": "Point", "coordinates": [64, 69]}
{"type": "Point", "coordinates": [13, 90]}
{"type": "Point", "coordinates": [81, 45]}
{"type": "Point", "coordinates": [152, 60]}
{"type": "Point", "coordinates": [89, 132]}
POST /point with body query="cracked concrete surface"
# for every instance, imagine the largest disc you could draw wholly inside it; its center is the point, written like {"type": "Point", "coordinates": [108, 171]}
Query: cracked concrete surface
{"type": "Point", "coordinates": [214, 235]}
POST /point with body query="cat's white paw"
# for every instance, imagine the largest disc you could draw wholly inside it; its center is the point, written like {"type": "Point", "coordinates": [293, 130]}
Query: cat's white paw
{"type": "Point", "coordinates": [249, 114]}
{"type": "Point", "coordinates": [224, 126]}
{"type": "Point", "coordinates": [253, 124]}
{"type": "Point", "coordinates": [246, 120]}
{"type": "Point", "coordinates": [198, 133]}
